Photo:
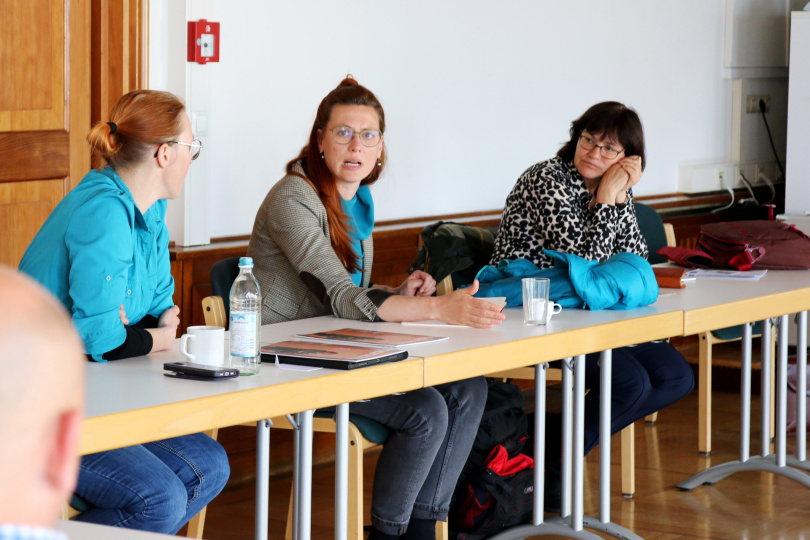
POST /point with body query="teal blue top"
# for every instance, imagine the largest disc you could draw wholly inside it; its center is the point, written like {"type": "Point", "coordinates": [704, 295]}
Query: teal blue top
{"type": "Point", "coordinates": [97, 251]}
{"type": "Point", "coordinates": [360, 211]}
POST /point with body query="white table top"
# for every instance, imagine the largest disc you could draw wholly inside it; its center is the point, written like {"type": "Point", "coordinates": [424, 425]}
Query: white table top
{"type": "Point", "coordinates": [130, 401]}
{"type": "Point", "coordinates": [713, 303]}
{"type": "Point", "coordinates": [77, 530]}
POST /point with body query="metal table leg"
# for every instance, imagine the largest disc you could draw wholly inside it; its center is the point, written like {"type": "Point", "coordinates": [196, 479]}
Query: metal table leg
{"type": "Point", "coordinates": [262, 477]}
{"type": "Point", "coordinates": [571, 524]}
{"type": "Point", "coordinates": [303, 477]}
{"type": "Point", "coordinates": [342, 472]}
{"type": "Point", "coordinates": [777, 463]}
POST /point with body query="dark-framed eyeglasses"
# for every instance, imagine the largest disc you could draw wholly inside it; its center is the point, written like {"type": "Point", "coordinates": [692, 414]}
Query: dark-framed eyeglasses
{"type": "Point", "coordinates": [345, 134]}
{"type": "Point", "coordinates": [195, 147]}
{"type": "Point", "coordinates": [608, 152]}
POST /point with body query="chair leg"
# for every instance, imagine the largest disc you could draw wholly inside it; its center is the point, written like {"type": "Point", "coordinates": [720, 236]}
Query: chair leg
{"type": "Point", "coordinates": [705, 394]}
{"type": "Point", "coordinates": [628, 461]}
{"type": "Point", "coordinates": [651, 418]}
{"type": "Point", "coordinates": [441, 531]}
{"type": "Point", "coordinates": [197, 523]}
{"type": "Point", "coordinates": [355, 485]}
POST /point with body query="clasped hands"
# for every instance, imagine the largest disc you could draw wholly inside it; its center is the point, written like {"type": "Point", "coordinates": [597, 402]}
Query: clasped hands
{"type": "Point", "coordinates": [620, 177]}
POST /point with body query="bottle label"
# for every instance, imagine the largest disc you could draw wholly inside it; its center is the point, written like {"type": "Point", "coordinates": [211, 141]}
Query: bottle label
{"type": "Point", "coordinates": [243, 333]}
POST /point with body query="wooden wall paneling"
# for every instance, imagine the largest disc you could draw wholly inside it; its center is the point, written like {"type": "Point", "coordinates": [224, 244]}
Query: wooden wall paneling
{"type": "Point", "coordinates": [110, 55]}
{"type": "Point", "coordinates": [191, 268]}
{"type": "Point", "coordinates": [34, 155]}
{"type": "Point", "coordinates": [78, 90]}
{"type": "Point", "coordinates": [24, 206]}
{"type": "Point", "coordinates": [138, 44]}
{"type": "Point", "coordinates": [32, 65]}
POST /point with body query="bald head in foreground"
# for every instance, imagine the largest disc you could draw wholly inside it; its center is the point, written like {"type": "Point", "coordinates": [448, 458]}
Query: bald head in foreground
{"type": "Point", "coordinates": [41, 401]}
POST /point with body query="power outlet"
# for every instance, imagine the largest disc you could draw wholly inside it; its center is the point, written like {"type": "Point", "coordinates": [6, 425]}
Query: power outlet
{"type": "Point", "coordinates": [752, 103]}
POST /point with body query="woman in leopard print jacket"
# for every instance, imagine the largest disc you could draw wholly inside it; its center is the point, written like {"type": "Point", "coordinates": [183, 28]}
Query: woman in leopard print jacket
{"type": "Point", "coordinates": [580, 202]}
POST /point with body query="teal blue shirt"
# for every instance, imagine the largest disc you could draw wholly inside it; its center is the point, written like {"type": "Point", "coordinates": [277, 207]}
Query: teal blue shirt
{"type": "Point", "coordinates": [360, 211]}
{"type": "Point", "coordinates": [97, 251]}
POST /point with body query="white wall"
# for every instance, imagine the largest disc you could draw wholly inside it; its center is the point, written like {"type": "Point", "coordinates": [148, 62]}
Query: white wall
{"type": "Point", "coordinates": [474, 91]}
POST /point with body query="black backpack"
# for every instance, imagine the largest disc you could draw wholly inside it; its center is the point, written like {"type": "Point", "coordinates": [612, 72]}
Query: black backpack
{"type": "Point", "coordinates": [495, 488]}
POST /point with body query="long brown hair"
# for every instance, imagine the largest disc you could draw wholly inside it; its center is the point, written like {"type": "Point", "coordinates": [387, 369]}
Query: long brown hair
{"type": "Point", "coordinates": [140, 121]}
{"type": "Point", "coordinates": [348, 92]}
{"type": "Point", "coordinates": [609, 119]}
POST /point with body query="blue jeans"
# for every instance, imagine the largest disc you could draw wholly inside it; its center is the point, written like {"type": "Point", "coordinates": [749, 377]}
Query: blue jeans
{"type": "Point", "coordinates": [154, 487]}
{"type": "Point", "coordinates": [433, 432]}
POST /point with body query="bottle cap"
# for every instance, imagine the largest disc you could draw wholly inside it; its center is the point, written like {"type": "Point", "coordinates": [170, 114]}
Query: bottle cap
{"type": "Point", "coordinates": [245, 261]}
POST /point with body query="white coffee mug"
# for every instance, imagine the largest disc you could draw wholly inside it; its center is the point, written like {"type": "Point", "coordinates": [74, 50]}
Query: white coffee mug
{"type": "Point", "coordinates": [552, 308]}
{"type": "Point", "coordinates": [204, 345]}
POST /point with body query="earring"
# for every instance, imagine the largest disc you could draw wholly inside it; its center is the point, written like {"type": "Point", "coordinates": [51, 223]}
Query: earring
{"type": "Point", "coordinates": [379, 162]}
{"type": "Point", "coordinates": [322, 156]}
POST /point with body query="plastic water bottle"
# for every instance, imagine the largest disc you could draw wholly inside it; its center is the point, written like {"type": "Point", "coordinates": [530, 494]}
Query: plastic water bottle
{"type": "Point", "coordinates": [246, 320]}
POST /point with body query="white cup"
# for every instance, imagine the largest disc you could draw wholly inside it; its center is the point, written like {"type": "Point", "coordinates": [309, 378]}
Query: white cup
{"type": "Point", "coordinates": [551, 308]}
{"type": "Point", "coordinates": [204, 345]}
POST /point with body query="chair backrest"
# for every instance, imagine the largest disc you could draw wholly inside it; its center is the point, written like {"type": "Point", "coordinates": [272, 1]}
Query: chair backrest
{"type": "Point", "coordinates": [652, 229]}
{"type": "Point", "coordinates": [223, 274]}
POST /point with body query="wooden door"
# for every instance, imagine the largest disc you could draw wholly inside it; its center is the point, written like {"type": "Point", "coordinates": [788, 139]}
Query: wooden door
{"type": "Point", "coordinates": [44, 112]}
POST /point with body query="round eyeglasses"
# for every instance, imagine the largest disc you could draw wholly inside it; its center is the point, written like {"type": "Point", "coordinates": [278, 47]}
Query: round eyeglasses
{"type": "Point", "coordinates": [345, 134]}
{"type": "Point", "coordinates": [608, 152]}
{"type": "Point", "coordinates": [195, 147]}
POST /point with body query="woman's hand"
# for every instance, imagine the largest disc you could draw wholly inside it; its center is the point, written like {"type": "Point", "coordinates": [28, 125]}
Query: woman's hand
{"type": "Point", "coordinates": [460, 307]}
{"type": "Point", "coordinates": [417, 284]}
{"type": "Point", "coordinates": [123, 315]}
{"type": "Point", "coordinates": [632, 166]}
{"type": "Point", "coordinates": [170, 318]}
{"type": "Point", "coordinates": [163, 336]}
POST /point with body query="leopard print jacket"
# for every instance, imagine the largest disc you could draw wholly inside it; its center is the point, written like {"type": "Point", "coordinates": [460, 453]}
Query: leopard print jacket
{"type": "Point", "coordinates": [548, 209]}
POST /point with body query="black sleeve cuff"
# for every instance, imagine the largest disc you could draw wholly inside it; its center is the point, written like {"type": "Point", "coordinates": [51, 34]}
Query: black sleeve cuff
{"type": "Point", "coordinates": [137, 343]}
{"type": "Point", "coordinates": [377, 297]}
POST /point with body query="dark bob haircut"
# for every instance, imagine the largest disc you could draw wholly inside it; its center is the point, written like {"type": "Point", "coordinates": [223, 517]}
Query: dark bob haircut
{"type": "Point", "coordinates": [608, 119]}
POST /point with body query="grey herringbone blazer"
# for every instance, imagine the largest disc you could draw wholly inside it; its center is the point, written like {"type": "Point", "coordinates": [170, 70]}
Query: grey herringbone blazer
{"type": "Point", "coordinates": [298, 271]}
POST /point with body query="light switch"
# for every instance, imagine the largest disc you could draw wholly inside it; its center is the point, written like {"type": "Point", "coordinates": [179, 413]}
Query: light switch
{"type": "Point", "coordinates": [200, 123]}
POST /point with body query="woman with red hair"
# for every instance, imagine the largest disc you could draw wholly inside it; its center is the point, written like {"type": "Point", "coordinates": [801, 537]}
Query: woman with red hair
{"type": "Point", "coordinates": [312, 249]}
{"type": "Point", "coordinates": [103, 252]}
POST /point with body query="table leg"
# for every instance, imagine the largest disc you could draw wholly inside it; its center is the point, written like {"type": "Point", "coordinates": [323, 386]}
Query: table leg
{"type": "Point", "coordinates": [567, 451]}
{"type": "Point", "coordinates": [606, 375]}
{"type": "Point", "coordinates": [342, 472]}
{"type": "Point", "coordinates": [801, 386]}
{"type": "Point", "coordinates": [571, 524]}
{"type": "Point", "coordinates": [262, 477]}
{"type": "Point", "coordinates": [296, 478]}
{"type": "Point", "coordinates": [765, 391]}
{"type": "Point", "coordinates": [775, 463]}
{"type": "Point", "coordinates": [304, 473]}
{"type": "Point", "coordinates": [539, 443]}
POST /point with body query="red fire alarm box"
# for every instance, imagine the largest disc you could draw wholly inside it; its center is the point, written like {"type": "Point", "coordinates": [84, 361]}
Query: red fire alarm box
{"type": "Point", "coordinates": [203, 41]}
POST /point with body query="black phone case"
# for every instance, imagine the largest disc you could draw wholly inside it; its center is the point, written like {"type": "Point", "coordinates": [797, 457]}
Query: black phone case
{"type": "Point", "coordinates": [184, 371]}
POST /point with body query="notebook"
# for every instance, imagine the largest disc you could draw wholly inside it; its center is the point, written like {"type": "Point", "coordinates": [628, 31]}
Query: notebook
{"type": "Point", "coordinates": [328, 355]}
{"type": "Point", "coordinates": [372, 337]}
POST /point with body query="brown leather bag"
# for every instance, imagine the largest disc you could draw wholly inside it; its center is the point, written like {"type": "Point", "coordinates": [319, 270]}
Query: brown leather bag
{"type": "Point", "coordinates": [746, 245]}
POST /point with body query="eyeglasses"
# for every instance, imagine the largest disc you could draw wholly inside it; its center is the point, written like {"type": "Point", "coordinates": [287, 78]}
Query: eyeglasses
{"type": "Point", "coordinates": [345, 134]}
{"type": "Point", "coordinates": [608, 152]}
{"type": "Point", "coordinates": [195, 147]}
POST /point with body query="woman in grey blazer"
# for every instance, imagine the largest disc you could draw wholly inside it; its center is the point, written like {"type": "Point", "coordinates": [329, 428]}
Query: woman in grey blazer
{"type": "Point", "coordinates": [312, 249]}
